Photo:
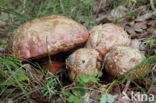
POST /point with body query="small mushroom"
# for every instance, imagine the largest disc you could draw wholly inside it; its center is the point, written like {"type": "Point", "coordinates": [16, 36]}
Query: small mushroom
{"type": "Point", "coordinates": [121, 59]}
{"type": "Point", "coordinates": [53, 34]}
{"type": "Point", "coordinates": [83, 61]}
{"type": "Point", "coordinates": [104, 37]}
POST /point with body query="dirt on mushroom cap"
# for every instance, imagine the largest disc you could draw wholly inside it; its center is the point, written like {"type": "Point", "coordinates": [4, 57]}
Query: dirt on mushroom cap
{"type": "Point", "coordinates": [104, 37]}
{"type": "Point", "coordinates": [121, 59]}
{"type": "Point", "coordinates": [55, 33]}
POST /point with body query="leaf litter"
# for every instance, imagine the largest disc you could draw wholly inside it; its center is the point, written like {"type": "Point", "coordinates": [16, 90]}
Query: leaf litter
{"type": "Point", "coordinates": [140, 27]}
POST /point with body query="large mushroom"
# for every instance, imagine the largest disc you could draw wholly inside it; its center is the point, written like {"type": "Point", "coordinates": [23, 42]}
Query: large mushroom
{"type": "Point", "coordinates": [104, 37]}
{"type": "Point", "coordinates": [121, 59]}
{"type": "Point", "coordinates": [84, 61]}
{"type": "Point", "coordinates": [51, 34]}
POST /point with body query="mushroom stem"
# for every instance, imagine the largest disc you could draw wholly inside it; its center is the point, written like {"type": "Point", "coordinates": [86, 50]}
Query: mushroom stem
{"type": "Point", "coordinates": [57, 65]}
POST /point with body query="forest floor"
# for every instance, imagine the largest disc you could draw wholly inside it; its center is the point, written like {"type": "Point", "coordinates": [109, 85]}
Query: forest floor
{"type": "Point", "coordinates": [33, 85]}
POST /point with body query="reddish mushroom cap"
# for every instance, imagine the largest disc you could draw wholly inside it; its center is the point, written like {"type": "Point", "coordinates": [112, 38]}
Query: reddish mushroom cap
{"type": "Point", "coordinates": [55, 33]}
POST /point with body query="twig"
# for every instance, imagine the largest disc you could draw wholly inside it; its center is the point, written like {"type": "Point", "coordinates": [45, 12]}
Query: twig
{"type": "Point", "coordinates": [98, 8]}
{"type": "Point", "coordinates": [101, 18]}
{"type": "Point", "coordinates": [62, 7]}
{"type": "Point", "coordinates": [127, 85]}
{"type": "Point", "coordinates": [146, 16]}
{"type": "Point", "coordinates": [153, 81]}
{"type": "Point", "coordinates": [152, 5]}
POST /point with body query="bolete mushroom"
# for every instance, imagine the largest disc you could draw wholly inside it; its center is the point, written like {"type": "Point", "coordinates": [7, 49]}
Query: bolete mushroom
{"type": "Point", "coordinates": [84, 61]}
{"type": "Point", "coordinates": [104, 37]}
{"type": "Point", "coordinates": [53, 34]}
{"type": "Point", "coordinates": [121, 59]}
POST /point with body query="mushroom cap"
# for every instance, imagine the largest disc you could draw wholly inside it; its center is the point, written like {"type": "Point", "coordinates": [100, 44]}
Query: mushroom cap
{"type": "Point", "coordinates": [104, 37]}
{"type": "Point", "coordinates": [121, 59]}
{"type": "Point", "coordinates": [55, 33]}
{"type": "Point", "coordinates": [83, 61]}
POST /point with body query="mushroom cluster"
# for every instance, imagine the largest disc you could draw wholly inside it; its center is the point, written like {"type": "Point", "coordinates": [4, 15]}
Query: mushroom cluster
{"type": "Point", "coordinates": [52, 35]}
{"type": "Point", "coordinates": [113, 43]}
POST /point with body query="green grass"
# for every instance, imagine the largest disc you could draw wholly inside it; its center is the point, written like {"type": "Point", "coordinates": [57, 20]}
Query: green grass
{"type": "Point", "coordinates": [17, 12]}
{"type": "Point", "coordinates": [23, 10]}
{"type": "Point", "coordinates": [11, 74]}
{"type": "Point", "coordinates": [10, 78]}
{"type": "Point", "coordinates": [150, 46]}
{"type": "Point", "coordinates": [15, 77]}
